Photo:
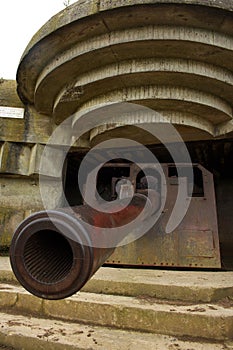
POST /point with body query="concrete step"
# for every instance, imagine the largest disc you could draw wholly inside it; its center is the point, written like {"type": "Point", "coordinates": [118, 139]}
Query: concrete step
{"type": "Point", "coordinates": [145, 314]}
{"type": "Point", "coordinates": [193, 286]}
{"type": "Point", "coordinates": [23, 332]}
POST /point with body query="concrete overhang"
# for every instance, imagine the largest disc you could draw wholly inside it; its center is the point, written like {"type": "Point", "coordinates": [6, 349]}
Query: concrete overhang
{"type": "Point", "coordinates": [175, 57]}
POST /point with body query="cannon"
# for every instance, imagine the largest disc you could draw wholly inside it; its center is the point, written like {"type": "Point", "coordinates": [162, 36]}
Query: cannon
{"type": "Point", "coordinates": [53, 253]}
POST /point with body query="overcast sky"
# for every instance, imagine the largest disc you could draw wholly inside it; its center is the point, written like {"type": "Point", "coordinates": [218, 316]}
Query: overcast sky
{"type": "Point", "coordinates": [20, 20]}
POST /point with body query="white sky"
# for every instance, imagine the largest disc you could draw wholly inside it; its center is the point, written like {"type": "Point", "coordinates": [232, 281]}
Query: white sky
{"type": "Point", "coordinates": [19, 21]}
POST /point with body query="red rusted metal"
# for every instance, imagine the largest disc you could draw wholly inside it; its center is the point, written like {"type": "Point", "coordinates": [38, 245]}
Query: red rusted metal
{"type": "Point", "coordinates": [53, 254]}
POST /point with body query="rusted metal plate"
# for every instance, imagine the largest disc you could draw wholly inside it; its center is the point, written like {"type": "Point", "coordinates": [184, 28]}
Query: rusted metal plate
{"type": "Point", "coordinates": [194, 243]}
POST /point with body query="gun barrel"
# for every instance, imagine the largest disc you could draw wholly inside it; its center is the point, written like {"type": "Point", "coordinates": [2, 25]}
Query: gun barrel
{"type": "Point", "coordinates": [53, 253]}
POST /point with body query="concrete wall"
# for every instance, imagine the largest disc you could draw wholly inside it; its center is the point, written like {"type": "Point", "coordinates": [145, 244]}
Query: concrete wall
{"type": "Point", "coordinates": [22, 142]}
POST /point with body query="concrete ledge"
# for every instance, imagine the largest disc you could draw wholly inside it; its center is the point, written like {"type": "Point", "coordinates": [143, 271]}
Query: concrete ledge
{"type": "Point", "coordinates": [82, 9]}
{"type": "Point", "coordinates": [191, 286]}
{"type": "Point", "coordinates": [209, 321]}
{"type": "Point", "coordinates": [27, 333]}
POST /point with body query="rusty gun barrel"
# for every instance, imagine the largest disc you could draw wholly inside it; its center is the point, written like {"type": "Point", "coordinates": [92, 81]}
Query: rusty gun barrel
{"type": "Point", "coordinates": [53, 254]}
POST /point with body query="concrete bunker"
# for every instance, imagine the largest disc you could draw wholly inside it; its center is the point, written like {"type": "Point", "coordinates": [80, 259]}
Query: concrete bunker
{"type": "Point", "coordinates": [173, 57]}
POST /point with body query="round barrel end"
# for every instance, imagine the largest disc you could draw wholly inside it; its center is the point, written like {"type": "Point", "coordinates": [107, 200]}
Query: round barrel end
{"type": "Point", "coordinates": [49, 257]}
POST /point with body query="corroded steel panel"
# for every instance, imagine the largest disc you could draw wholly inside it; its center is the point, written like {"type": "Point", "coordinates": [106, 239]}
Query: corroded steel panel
{"type": "Point", "coordinates": [194, 243]}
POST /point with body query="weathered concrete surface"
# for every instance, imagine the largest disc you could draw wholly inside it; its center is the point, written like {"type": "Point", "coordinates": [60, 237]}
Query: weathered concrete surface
{"type": "Point", "coordinates": [29, 333]}
{"type": "Point", "coordinates": [8, 94]}
{"type": "Point", "coordinates": [21, 196]}
{"type": "Point", "coordinates": [192, 286]}
{"type": "Point", "coordinates": [172, 56]}
{"type": "Point", "coordinates": [139, 305]}
{"type": "Point", "coordinates": [21, 146]}
{"type": "Point", "coordinates": [33, 128]}
{"type": "Point", "coordinates": [174, 285]}
{"type": "Point", "coordinates": [209, 321]}
{"type": "Point", "coordinates": [85, 8]}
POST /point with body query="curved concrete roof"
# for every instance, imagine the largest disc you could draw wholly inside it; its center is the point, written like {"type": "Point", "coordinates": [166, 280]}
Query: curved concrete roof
{"type": "Point", "coordinates": [173, 56]}
{"type": "Point", "coordinates": [84, 8]}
